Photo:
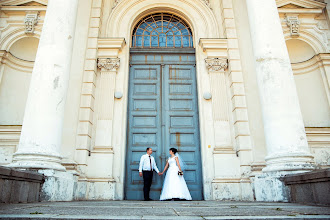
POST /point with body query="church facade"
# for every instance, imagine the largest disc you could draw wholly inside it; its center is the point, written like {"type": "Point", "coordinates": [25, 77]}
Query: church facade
{"type": "Point", "coordinates": [239, 87]}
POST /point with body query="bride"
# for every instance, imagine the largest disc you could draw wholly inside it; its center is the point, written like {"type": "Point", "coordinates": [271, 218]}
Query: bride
{"type": "Point", "coordinates": [174, 186]}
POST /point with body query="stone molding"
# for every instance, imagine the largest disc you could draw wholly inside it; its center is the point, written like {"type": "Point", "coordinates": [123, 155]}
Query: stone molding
{"type": "Point", "coordinates": [293, 23]}
{"type": "Point", "coordinates": [216, 64]}
{"type": "Point", "coordinates": [30, 20]}
{"type": "Point", "coordinates": [108, 64]}
{"type": "Point", "coordinates": [22, 2]}
{"type": "Point", "coordinates": [312, 64]}
{"type": "Point", "coordinates": [306, 4]}
{"type": "Point", "coordinates": [206, 2]}
{"type": "Point", "coordinates": [110, 47]}
{"type": "Point", "coordinates": [16, 63]}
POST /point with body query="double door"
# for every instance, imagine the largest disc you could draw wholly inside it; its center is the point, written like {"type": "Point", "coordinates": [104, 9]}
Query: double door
{"type": "Point", "coordinates": [162, 113]}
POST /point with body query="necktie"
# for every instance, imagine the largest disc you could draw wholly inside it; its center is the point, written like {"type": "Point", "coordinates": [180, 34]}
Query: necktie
{"type": "Point", "coordinates": [150, 163]}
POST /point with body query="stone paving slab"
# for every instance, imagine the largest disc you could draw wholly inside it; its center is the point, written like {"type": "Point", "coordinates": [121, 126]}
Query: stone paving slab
{"type": "Point", "coordinates": [207, 210]}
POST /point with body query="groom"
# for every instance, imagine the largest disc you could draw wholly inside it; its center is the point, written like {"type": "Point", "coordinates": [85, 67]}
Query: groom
{"type": "Point", "coordinates": [146, 168]}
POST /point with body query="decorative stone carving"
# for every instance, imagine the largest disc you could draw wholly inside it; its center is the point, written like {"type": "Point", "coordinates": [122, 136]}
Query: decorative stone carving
{"type": "Point", "coordinates": [216, 64]}
{"type": "Point", "coordinates": [207, 2]}
{"type": "Point", "coordinates": [30, 20]}
{"type": "Point", "coordinates": [293, 23]}
{"type": "Point", "coordinates": [108, 64]}
{"type": "Point", "coordinates": [116, 3]}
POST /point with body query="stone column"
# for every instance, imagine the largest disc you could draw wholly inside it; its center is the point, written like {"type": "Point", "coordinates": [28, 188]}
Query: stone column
{"type": "Point", "coordinates": [284, 129]}
{"type": "Point", "coordinates": [286, 142]}
{"type": "Point", "coordinates": [41, 137]}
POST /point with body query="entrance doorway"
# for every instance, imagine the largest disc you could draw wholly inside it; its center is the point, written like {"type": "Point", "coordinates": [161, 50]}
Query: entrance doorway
{"type": "Point", "coordinates": [162, 106]}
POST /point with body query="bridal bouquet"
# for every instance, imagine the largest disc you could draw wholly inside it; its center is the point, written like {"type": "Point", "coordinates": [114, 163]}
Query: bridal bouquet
{"type": "Point", "coordinates": [180, 173]}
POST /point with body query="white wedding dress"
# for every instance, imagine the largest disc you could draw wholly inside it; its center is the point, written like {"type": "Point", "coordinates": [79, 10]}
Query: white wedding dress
{"type": "Point", "coordinates": [174, 186]}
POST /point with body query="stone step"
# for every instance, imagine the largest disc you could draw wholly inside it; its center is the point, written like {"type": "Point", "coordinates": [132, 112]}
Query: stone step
{"type": "Point", "coordinates": [101, 217]}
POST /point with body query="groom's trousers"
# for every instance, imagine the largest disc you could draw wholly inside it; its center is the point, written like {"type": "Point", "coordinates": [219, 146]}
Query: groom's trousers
{"type": "Point", "coordinates": [147, 179]}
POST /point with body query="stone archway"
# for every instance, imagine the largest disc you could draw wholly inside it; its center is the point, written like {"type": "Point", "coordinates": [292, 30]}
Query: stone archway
{"type": "Point", "coordinates": [204, 25]}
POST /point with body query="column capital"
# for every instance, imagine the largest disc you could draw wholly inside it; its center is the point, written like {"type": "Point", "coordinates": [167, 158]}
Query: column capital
{"type": "Point", "coordinates": [108, 64]}
{"type": "Point", "coordinates": [216, 64]}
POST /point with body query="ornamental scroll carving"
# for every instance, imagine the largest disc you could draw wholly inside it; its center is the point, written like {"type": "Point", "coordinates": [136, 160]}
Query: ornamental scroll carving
{"type": "Point", "coordinates": [293, 23]}
{"type": "Point", "coordinates": [30, 21]}
{"type": "Point", "coordinates": [216, 64]}
{"type": "Point", "coordinates": [108, 64]}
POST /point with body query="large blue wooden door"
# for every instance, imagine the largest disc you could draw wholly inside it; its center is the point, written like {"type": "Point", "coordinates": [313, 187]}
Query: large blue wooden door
{"type": "Point", "coordinates": [162, 113]}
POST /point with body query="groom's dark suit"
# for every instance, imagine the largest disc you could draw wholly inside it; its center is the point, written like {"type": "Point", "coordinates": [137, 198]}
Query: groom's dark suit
{"type": "Point", "coordinates": [147, 166]}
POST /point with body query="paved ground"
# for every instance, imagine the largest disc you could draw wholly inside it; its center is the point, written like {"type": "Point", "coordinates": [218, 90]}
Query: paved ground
{"type": "Point", "coordinates": [162, 210]}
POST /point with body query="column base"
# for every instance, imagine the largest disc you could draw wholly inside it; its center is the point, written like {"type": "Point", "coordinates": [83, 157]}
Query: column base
{"type": "Point", "coordinates": [269, 188]}
{"type": "Point", "coordinates": [58, 186]}
{"type": "Point", "coordinates": [289, 162]}
{"type": "Point", "coordinates": [36, 161]}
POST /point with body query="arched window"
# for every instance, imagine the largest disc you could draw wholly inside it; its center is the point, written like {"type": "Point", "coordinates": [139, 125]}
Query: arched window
{"type": "Point", "coordinates": [162, 30]}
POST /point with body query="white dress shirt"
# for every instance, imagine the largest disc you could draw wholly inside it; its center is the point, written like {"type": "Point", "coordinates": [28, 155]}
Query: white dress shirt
{"type": "Point", "coordinates": [145, 163]}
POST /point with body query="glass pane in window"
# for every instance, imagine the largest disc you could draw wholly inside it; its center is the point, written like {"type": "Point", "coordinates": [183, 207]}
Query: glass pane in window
{"type": "Point", "coordinates": [178, 33]}
{"type": "Point", "coordinates": [170, 42]}
{"type": "Point", "coordinates": [175, 29]}
{"type": "Point", "coordinates": [139, 31]}
{"type": "Point", "coordinates": [185, 32]}
{"type": "Point", "coordinates": [149, 28]}
{"type": "Point", "coordinates": [138, 41]}
{"type": "Point", "coordinates": [165, 23]}
{"type": "Point", "coordinates": [153, 25]}
{"type": "Point", "coordinates": [177, 41]}
{"type": "Point", "coordinates": [170, 25]}
{"type": "Point", "coordinates": [146, 41]}
{"type": "Point", "coordinates": [180, 26]}
{"type": "Point", "coordinates": [185, 40]}
{"type": "Point", "coordinates": [159, 23]}
{"type": "Point", "coordinates": [162, 30]}
{"type": "Point", "coordinates": [154, 41]}
{"type": "Point", "coordinates": [143, 25]}
{"type": "Point", "coordinates": [162, 40]}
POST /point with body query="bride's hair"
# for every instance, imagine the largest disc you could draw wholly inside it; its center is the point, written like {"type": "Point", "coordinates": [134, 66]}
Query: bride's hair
{"type": "Point", "coordinates": [173, 150]}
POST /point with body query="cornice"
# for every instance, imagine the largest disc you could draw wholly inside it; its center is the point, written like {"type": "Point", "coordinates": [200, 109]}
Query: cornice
{"type": "Point", "coordinates": [214, 47]}
{"type": "Point", "coordinates": [22, 2]}
{"type": "Point", "coordinates": [110, 47]}
{"type": "Point", "coordinates": [305, 4]}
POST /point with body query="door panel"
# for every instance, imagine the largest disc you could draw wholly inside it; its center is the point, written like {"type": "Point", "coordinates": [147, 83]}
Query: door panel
{"type": "Point", "coordinates": [162, 113]}
{"type": "Point", "coordinates": [143, 126]}
{"type": "Point", "coordinates": [181, 113]}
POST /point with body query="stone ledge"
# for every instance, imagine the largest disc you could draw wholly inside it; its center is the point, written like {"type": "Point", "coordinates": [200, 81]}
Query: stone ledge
{"type": "Point", "coordinates": [309, 177]}
{"type": "Point", "coordinates": [19, 186]}
{"type": "Point", "coordinates": [309, 188]}
{"type": "Point", "coordinates": [20, 175]}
